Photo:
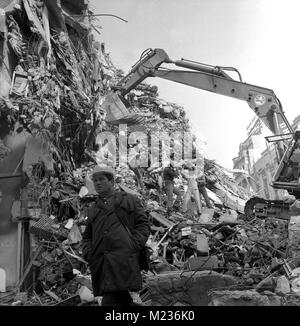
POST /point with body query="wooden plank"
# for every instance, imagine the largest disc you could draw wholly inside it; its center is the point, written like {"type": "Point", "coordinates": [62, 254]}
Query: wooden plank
{"type": "Point", "coordinates": [161, 219]}
{"type": "Point", "coordinates": [128, 190]}
{"type": "Point", "coordinates": [47, 29]}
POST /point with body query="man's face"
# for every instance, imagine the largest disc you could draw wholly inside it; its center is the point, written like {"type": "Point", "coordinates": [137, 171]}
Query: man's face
{"type": "Point", "coordinates": [102, 184]}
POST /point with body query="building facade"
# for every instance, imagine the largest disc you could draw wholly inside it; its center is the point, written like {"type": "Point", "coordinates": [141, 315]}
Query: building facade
{"type": "Point", "coordinates": [257, 161]}
{"type": "Point", "coordinates": [16, 144]}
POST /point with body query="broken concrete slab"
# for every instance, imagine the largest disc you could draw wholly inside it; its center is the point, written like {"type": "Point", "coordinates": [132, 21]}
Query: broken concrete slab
{"type": "Point", "coordinates": [74, 235]}
{"type": "Point", "coordinates": [282, 285]}
{"type": "Point", "coordinates": [268, 284]}
{"type": "Point", "coordinates": [203, 263]}
{"type": "Point", "coordinates": [230, 200]}
{"type": "Point", "coordinates": [2, 280]}
{"type": "Point", "coordinates": [206, 215]}
{"type": "Point", "coordinates": [202, 243]}
{"type": "Point", "coordinates": [213, 197]}
{"type": "Point", "coordinates": [243, 298]}
{"type": "Point", "coordinates": [295, 285]}
{"type": "Point", "coordinates": [294, 231]}
{"type": "Point", "coordinates": [230, 216]}
{"type": "Point", "coordinates": [191, 288]}
{"type": "Point", "coordinates": [86, 295]}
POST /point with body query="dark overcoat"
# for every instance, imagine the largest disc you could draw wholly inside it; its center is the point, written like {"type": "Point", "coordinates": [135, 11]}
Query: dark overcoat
{"type": "Point", "coordinates": [110, 250]}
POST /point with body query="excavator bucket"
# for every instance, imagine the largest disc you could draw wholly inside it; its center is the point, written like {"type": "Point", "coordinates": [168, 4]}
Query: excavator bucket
{"type": "Point", "coordinates": [117, 112]}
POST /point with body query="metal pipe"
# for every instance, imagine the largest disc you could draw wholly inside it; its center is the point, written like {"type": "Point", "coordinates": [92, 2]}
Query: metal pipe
{"type": "Point", "coordinates": [278, 132]}
{"type": "Point", "coordinates": [201, 67]}
{"type": "Point", "coordinates": [11, 176]}
{"type": "Point", "coordinates": [96, 15]}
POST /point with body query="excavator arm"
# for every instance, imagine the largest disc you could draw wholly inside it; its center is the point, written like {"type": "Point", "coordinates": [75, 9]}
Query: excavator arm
{"type": "Point", "coordinates": [262, 101]}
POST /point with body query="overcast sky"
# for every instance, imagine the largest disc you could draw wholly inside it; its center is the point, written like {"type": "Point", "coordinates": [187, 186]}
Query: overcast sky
{"type": "Point", "coordinates": [259, 37]}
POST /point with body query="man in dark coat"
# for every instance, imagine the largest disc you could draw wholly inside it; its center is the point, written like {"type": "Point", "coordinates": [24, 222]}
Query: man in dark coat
{"type": "Point", "coordinates": [111, 242]}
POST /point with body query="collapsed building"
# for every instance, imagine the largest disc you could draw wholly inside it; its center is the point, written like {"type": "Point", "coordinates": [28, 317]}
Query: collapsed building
{"type": "Point", "coordinates": [55, 76]}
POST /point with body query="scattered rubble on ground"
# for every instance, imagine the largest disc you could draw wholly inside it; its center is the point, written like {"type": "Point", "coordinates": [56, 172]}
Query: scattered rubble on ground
{"type": "Point", "coordinates": [60, 104]}
{"type": "Point", "coordinates": [252, 252]}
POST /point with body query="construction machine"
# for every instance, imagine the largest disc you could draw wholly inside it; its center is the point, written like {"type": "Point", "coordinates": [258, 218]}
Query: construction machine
{"type": "Point", "coordinates": [262, 101]}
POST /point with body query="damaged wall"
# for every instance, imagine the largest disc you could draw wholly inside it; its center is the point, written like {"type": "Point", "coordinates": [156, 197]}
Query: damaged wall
{"type": "Point", "coordinates": [26, 43]}
{"type": "Point", "coordinates": [7, 58]}
{"type": "Point", "coordinates": [10, 190]}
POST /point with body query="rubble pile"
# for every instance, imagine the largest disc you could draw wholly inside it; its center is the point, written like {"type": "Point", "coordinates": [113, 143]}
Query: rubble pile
{"type": "Point", "coordinates": [243, 249]}
{"type": "Point", "coordinates": [158, 113]}
{"type": "Point", "coordinates": [60, 79]}
{"type": "Point", "coordinates": [56, 97]}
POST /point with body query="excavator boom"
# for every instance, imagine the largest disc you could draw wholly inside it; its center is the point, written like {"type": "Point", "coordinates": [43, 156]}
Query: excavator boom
{"type": "Point", "coordinates": [262, 101]}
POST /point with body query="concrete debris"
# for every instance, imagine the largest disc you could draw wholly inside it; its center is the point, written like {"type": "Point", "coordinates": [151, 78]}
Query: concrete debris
{"type": "Point", "coordinates": [190, 288]}
{"type": "Point", "coordinates": [295, 285]}
{"type": "Point", "coordinates": [2, 280]}
{"type": "Point", "coordinates": [85, 294]}
{"type": "Point", "coordinates": [282, 286]}
{"type": "Point", "coordinates": [243, 298]}
{"type": "Point", "coordinates": [268, 284]}
{"type": "Point", "coordinates": [203, 263]}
